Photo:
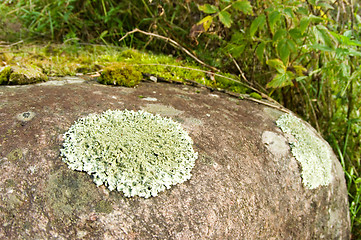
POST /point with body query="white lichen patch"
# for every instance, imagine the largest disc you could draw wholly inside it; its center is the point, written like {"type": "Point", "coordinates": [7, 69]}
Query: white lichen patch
{"type": "Point", "coordinates": [312, 153]}
{"type": "Point", "coordinates": [137, 153]}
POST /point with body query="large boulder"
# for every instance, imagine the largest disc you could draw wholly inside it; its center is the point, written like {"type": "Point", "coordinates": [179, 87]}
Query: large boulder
{"type": "Point", "coordinates": [245, 184]}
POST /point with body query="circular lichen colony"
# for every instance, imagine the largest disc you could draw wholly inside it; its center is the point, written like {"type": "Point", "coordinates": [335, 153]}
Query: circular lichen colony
{"type": "Point", "coordinates": [138, 153]}
{"type": "Point", "coordinates": [312, 153]}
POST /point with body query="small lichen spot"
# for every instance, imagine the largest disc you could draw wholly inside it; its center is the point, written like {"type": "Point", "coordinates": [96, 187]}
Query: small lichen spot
{"type": "Point", "coordinates": [16, 154]}
{"type": "Point", "coordinates": [25, 116]}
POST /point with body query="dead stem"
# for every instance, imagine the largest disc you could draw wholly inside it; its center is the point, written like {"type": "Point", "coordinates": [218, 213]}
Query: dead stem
{"type": "Point", "coordinates": [13, 44]}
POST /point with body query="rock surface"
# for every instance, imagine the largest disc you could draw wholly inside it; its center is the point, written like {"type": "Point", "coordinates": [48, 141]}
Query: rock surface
{"type": "Point", "coordinates": [245, 184]}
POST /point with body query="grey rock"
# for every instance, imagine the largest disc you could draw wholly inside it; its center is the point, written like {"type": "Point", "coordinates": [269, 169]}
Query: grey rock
{"type": "Point", "coordinates": [245, 184]}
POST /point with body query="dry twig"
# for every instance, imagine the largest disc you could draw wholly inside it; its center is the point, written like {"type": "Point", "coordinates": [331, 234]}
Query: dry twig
{"type": "Point", "coordinates": [13, 44]}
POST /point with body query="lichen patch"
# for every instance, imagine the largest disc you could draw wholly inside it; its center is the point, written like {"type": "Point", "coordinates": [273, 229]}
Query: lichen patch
{"type": "Point", "coordinates": [137, 153]}
{"type": "Point", "coordinates": [311, 152]}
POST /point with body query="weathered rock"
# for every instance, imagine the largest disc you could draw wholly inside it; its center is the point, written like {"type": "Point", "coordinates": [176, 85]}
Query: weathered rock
{"type": "Point", "coordinates": [245, 184]}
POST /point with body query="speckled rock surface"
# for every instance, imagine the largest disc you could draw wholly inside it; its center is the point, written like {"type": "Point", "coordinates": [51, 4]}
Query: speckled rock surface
{"type": "Point", "coordinates": [245, 183]}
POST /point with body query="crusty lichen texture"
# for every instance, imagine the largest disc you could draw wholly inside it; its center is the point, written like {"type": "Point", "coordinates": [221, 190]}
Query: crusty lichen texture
{"type": "Point", "coordinates": [137, 153]}
{"type": "Point", "coordinates": [312, 153]}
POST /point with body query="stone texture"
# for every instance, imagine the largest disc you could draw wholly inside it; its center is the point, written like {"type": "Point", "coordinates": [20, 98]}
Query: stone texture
{"type": "Point", "coordinates": [245, 184]}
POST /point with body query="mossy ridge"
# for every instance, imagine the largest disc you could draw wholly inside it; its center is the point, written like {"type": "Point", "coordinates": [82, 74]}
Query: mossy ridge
{"type": "Point", "coordinates": [173, 69]}
{"type": "Point", "coordinates": [67, 59]}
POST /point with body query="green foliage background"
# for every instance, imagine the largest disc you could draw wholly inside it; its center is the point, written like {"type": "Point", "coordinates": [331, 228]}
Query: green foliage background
{"type": "Point", "coordinates": [305, 54]}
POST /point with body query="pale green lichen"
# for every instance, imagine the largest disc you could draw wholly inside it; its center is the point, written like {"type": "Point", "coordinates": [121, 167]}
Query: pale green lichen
{"type": "Point", "coordinates": [137, 153]}
{"type": "Point", "coordinates": [312, 153]}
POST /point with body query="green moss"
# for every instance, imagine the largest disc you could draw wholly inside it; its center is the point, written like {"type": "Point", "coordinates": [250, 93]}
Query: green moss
{"type": "Point", "coordinates": [169, 68]}
{"type": "Point", "coordinates": [131, 55]}
{"type": "Point", "coordinates": [224, 83]}
{"type": "Point", "coordinates": [255, 95]}
{"type": "Point", "coordinates": [5, 75]}
{"type": "Point", "coordinates": [121, 75]}
{"type": "Point", "coordinates": [61, 60]}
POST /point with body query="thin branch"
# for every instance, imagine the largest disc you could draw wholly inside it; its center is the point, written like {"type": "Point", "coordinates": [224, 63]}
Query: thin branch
{"type": "Point", "coordinates": [198, 60]}
{"type": "Point", "coordinates": [71, 39]}
{"type": "Point", "coordinates": [13, 44]}
{"type": "Point", "coordinates": [172, 42]}
{"type": "Point", "coordinates": [278, 107]}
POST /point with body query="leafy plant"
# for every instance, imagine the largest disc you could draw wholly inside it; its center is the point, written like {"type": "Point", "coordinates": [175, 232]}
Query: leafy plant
{"type": "Point", "coordinates": [223, 12]}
